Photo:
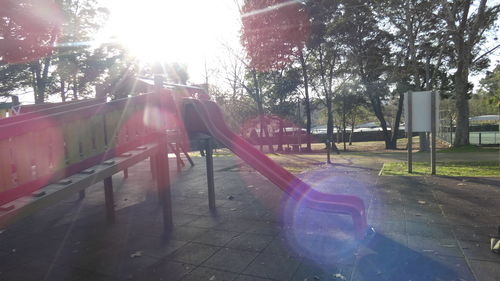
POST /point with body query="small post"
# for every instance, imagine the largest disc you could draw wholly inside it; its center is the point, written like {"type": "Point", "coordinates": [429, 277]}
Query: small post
{"type": "Point", "coordinates": [108, 197]}
{"type": "Point", "coordinates": [210, 173]}
{"type": "Point", "coordinates": [81, 194]}
{"type": "Point", "coordinates": [410, 133]}
{"type": "Point", "coordinates": [328, 148]}
{"type": "Point", "coordinates": [433, 133]}
{"type": "Point", "coordinates": [125, 173]}
{"type": "Point", "coordinates": [479, 138]}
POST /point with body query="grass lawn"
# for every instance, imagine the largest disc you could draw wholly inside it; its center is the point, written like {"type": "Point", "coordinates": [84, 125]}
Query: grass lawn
{"type": "Point", "coordinates": [452, 169]}
{"type": "Point", "coordinates": [469, 148]}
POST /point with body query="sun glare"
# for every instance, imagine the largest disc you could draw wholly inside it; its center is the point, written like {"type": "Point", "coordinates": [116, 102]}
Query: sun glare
{"type": "Point", "coordinates": [156, 30]}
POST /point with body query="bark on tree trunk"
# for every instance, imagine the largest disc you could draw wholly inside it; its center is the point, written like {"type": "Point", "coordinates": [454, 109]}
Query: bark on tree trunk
{"type": "Point", "coordinates": [462, 105]}
{"type": "Point", "coordinates": [263, 126]}
{"type": "Point", "coordinates": [353, 123]}
{"type": "Point", "coordinates": [329, 122]}
{"type": "Point", "coordinates": [307, 102]}
{"type": "Point", "coordinates": [280, 136]}
{"type": "Point", "coordinates": [395, 129]}
{"type": "Point", "coordinates": [344, 124]}
{"type": "Point", "coordinates": [63, 91]}
{"type": "Point", "coordinates": [75, 88]}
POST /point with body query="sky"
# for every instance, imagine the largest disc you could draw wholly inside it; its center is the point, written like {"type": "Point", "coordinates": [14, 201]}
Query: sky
{"type": "Point", "coordinates": [185, 31]}
{"type": "Point", "coordinates": [190, 32]}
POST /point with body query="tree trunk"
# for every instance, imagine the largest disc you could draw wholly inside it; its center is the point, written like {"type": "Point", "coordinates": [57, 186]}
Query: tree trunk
{"type": "Point", "coordinates": [353, 123]}
{"type": "Point", "coordinates": [344, 124]}
{"type": "Point", "coordinates": [377, 109]}
{"type": "Point", "coordinates": [462, 105]}
{"type": "Point", "coordinates": [63, 91]}
{"type": "Point", "coordinates": [393, 144]}
{"type": "Point", "coordinates": [75, 88]}
{"type": "Point", "coordinates": [329, 122]}
{"type": "Point", "coordinates": [280, 136]}
{"type": "Point", "coordinates": [263, 126]}
{"type": "Point", "coordinates": [306, 100]}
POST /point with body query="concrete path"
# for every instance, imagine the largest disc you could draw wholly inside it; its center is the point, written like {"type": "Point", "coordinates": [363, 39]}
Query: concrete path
{"type": "Point", "coordinates": [427, 228]}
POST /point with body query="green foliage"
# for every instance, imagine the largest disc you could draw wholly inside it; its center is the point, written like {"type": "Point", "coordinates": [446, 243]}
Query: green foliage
{"type": "Point", "coordinates": [13, 77]}
{"type": "Point", "coordinates": [490, 86]}
{"type": "Point", "coordinates": [75, 65]}
{"type": "Point", "coordinates": [282, 92]}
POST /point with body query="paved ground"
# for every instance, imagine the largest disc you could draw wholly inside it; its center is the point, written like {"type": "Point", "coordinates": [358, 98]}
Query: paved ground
{"type": "Point", "coordinates": [428, 228]}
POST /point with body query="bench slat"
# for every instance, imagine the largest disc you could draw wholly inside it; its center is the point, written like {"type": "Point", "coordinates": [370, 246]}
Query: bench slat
{"type": "Point", "coordinates": [42, 153]}
{"type": "Point", "coordinates": [5, 166]}
{"type": "Point", "coordinates": [97, 125]}
{"type": "Point", "coordinates": [22, 156]}
{"type": "Point", "coordinates": [72, 141]}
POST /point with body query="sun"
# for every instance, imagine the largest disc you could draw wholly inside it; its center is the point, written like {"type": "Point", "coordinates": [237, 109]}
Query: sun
{"type": "Point", "coordinates": [155, 30]}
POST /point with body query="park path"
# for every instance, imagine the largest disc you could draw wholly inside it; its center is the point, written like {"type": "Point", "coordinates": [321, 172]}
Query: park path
{"type": "Point", "coordinates": [427, 228]}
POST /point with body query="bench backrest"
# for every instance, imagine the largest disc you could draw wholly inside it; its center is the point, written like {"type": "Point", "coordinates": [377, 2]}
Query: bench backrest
{"type": "Point", "coordinates": [47, 148]}
{"type": "Point", "coordinates": [25, 112]}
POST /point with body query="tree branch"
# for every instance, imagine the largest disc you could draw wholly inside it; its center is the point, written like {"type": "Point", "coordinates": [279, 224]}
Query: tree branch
{"type": "Point", "coordinates": [486, 53]}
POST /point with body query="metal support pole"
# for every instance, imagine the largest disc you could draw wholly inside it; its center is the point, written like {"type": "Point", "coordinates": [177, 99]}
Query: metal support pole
{"type": "Point", "coordinates": [162, 170]}
{"type": "Point", "coordinates": [110, 202]}
{"type": "Point", "coordinates": [210, 173]}
{"type": "Point", "coordinates": [163, 182]}
{"type": "Point", "coordinates": [410, 133]}
{"type": "Point", "coordinates": [433, 133]}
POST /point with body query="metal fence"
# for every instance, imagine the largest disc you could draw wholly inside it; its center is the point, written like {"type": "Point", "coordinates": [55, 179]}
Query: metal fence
{"type": "Point", "coordinates": [478, 138]}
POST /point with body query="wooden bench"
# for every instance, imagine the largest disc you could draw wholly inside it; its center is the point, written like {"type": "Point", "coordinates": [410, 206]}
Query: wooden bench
{"type": "Point", "coordinates": [48, 157]}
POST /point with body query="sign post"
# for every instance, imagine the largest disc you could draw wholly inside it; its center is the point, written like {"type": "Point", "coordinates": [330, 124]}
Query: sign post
{"type": "Point", "coordinates": [433, 133]}
{"type": "Point", "coordinates": [409, 134]}
{"type": "Point", "coordinates": [420, 116]}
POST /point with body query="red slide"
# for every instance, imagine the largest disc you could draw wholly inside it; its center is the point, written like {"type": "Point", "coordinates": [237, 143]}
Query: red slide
{"type": "Point", "coordinates": [206, 117]}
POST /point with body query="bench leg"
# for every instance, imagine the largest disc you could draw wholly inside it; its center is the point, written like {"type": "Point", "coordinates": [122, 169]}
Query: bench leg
{"type": "Point", "coordinates": [210, 173]}
{"type": "Point", "coordinates": [110, 202]}
{"type": "Point", "coordinates": [125, 173]}
{"type": "Point", "coordinates": [163, 184]}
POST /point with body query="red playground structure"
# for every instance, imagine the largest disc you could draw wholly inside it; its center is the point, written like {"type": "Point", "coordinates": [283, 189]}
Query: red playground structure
{"type": "Point", "coordinates": [48, 154]}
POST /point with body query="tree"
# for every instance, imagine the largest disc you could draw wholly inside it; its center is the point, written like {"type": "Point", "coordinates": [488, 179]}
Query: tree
{"type": "Point", "coordinates": [58, 37]}
{"type": "Point", "coordinates": [348, 102]}
{"type": "Point", "coordinates": [369, 54]}
{"type": "Point", "coordinates": [177, 73]}
{"type": "Point", "coordinates": [466, 29]}
{"type": "Point", "coordinates": [281, 91]}
{"type": "Point", "coordinates": [490, 87]}
{"type": "Point", "coordinates": [417, 49]}
{"type": "Point", "coordinates": [274, 34]}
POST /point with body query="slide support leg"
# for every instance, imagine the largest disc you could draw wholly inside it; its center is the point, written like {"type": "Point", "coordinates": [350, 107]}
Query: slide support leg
{"type": "Point", "coordinates": [210, 173]}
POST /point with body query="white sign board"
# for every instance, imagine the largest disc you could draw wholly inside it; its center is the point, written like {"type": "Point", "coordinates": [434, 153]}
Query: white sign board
{"type": "Point", "coordinates": [421, 111]}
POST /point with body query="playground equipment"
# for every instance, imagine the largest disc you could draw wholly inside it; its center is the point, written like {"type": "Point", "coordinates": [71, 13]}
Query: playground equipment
{"type": "Point", "coordinates": [281, 132]}
{"type": "Point", "coordinates": [206, 117]}
{"type": "Point", "coordinates": [55, 153]}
